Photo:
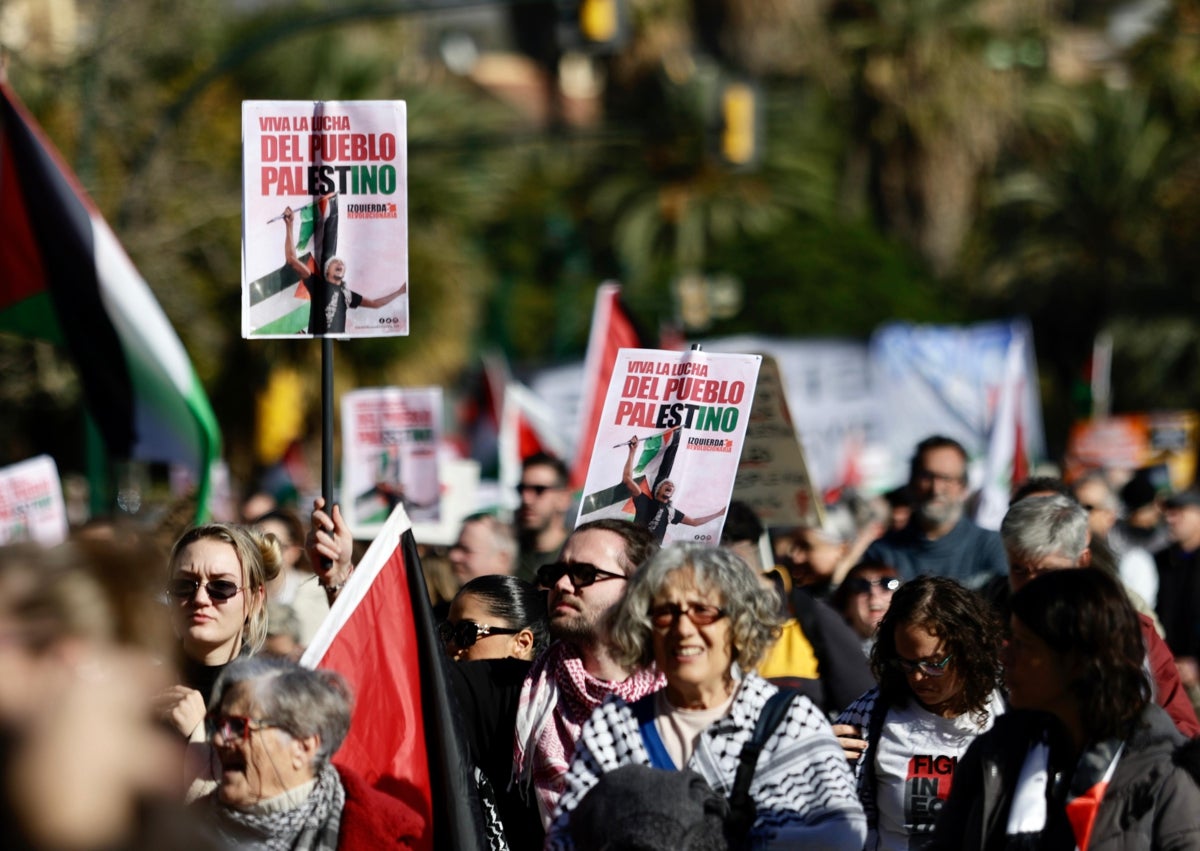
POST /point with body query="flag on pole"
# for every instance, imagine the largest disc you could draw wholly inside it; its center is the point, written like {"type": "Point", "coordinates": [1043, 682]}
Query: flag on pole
{"type": "Point", "coordinates": [527, 426]}
{"type": "Point", "coordinates": [1006, 464]}
{"type": "Point", "coordinates": [403, 736]}
{"type": "Point", "coordinates": [651, 467]}
{"type": "Point", "coordinates": [612, 329]}
{"type": "Point", "coordinates": [68, 281]}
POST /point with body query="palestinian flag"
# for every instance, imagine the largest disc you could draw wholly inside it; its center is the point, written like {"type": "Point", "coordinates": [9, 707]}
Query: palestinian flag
{"type": "Point", "coordinates": [613, 328]}
{"type": "Point", "coordinates": [404, 734]}
{"type": "Point", "coordinates": [68, 281]}
{"type": "Point", "coordinates": [652, 466]}
{"type": "Point", "coordinates": [278, 304]}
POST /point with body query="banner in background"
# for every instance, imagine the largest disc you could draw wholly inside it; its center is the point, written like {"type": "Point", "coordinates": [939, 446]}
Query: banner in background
{"type": "Point", "coordinates": [390, 439]}
{"type": "Point", "coordinates": [1128, 442]}
{"type": "Point", "coordinates": [31, 503]}
{"type": "Point", "coordinates": [772, 477]}
{"type": "Point", "coordinates": [341, 167]}
{"type": "Point", "coordinates": [668, 441]}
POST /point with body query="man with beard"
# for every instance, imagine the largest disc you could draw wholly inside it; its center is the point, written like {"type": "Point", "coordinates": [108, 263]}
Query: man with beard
{"type": "Point", "coordinates": [541, 519]}
{"type": "Point", "coordinates": [577, 671]}
{"type": "Point", "coordinates": [939, 540]}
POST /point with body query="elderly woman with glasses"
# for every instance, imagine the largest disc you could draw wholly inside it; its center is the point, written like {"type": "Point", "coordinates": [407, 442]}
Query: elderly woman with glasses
{"type": "Point", "coordinates": [937, 661]}
{"type": "Point", "coordinates": [216, 590]}
{"type": "Point", "coordinates": [703, 618]}
{"type": "Point", "coordinates": [274, 727]}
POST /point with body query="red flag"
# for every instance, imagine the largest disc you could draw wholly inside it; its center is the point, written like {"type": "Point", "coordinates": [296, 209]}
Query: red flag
{"type": "Point", "coordinates": [403, 736]}
{"type": "Point", "coordinates": [612, 329]}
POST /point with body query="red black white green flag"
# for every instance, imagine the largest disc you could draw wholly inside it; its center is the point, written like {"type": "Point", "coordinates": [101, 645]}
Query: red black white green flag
{"type": "Point", "coordinates": [67, 280]}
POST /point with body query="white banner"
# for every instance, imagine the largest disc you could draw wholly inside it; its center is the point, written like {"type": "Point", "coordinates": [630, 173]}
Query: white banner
{"type": "Point", "coordinates": [325, 219]}
{"type": "Point", "coordinates": [667, 447]}
{"type": "Point", "coordinates": [390, 439]}
{"type": "Point", "coordinates": [31, 503]}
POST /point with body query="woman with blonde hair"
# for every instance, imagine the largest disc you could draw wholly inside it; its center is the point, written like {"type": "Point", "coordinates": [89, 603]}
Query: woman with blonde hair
{"type": "Point", "coordinates": [216, 591]}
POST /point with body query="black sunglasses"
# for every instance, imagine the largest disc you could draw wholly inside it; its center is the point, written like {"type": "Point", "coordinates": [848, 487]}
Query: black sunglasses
{"type": "Point", "coordinates": [219, 590]}
{"type": "Point", "coordinates": [536, 490]}
{"type": "Point", "coordinates": [466, 633]}
{"type": "Point", "coordinates": [862, 585]}
{"type": "Point", "coordinates": [582, 574]}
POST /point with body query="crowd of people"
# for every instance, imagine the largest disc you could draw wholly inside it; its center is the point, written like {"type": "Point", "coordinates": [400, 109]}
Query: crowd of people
{"type": "Point", "coordinates": [892, 677]}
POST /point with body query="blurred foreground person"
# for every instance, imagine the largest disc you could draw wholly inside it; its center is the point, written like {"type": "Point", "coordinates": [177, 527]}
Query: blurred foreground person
{"type": "Point", "coordinates": [84, 764]}
{"type": "Point", "coordinates": [1083, 759]}
{"type": "Point", "coordinates": [274, 727]}
{"type": "Point", "coordinates": [704, 620]}
{"type": "Point", "coordinates": [938, 666]}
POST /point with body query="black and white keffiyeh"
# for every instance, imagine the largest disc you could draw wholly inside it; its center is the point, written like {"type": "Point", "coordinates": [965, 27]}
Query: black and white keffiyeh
{"type": "Point", "coordinates": [313, 825]}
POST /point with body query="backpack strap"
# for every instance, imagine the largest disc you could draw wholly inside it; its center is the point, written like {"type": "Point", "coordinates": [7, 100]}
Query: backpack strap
{"type": "Point", "coordinates": [741, 807]}
{"type": "Point", "coordinates": [643, 711]}
{"type": "Point", "coordinates": [879, 711]}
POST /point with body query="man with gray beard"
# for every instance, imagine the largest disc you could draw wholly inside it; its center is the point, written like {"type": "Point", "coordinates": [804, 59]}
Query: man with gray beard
{"type": "Point", "coordinates": [939, 540]}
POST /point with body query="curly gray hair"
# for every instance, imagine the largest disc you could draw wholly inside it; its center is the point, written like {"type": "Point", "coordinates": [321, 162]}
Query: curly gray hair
{"type": "Point", "coordinates": [300, 701]}
{"type": "Point", "coordinates": [751, 606]}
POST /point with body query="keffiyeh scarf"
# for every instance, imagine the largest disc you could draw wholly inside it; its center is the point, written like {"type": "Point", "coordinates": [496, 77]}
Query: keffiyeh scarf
{"type": "Point", "coordinates": [558, 695]}
{"type": "Point", "coordinates": [311, 826]}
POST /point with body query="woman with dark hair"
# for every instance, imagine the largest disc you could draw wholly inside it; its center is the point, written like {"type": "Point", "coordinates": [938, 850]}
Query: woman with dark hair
{"type": "Point", "coordinates": [496, 627]}
{"type": "Point", "coordinates": [496, 617]}
{"type": "Point", "coordinates": [1085, 759]}
{"type": "Point", "coordinates": [936, 658]}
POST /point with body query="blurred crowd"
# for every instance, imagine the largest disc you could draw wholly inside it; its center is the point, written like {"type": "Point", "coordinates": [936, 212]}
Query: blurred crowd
{"type": "Point", "coordinates": [892, 676]}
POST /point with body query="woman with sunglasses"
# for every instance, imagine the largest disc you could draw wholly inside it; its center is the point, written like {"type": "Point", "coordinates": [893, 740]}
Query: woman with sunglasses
{"type": "Point", "coordinates": [863, 599]}
{"type": "Point", "coordinates": [936, 658]}
{"type": "Point", "coordinates": [274, 727]}
{"type": "Point", "coordinates": [216, 591]}
{"type": "Point", "coordinates": [496, 626]}
{"type": "Point", "coordinates": [703, 618]}
{"type": "Point", "coordinates": [495, 617]}
{"type": "Point", "coordinates": [1084, 759]}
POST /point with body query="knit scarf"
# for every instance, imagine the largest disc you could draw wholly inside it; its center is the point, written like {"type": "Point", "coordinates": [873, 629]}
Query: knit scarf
{"type": "Point", "coordinates": [558, 695]}
{"type": "Point", "coordinates": [311, 826]}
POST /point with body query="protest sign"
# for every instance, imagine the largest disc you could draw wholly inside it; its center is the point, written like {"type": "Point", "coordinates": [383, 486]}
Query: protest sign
{"type": "Point", "coordinates": [325, 219]}
{"type": "Point", "coordinates": [666, 449]}
{"type": "Point", "coordinates": [390, 442]}
{"type": "Point", "coordinates": [31, 503]}
{"type": "Point", "coordinates": [773, 477]}
{"type": "Point", "coordinates": [1128, 442]}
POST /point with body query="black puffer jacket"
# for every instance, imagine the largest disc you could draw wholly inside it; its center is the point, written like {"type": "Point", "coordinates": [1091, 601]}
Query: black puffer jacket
{"type": "Point", "coordinates": [1152, 802]}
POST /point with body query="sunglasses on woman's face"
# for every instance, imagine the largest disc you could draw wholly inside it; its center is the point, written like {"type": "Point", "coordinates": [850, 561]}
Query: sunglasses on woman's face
{"type": "Point", "coordinates": [665, 614]}
{"type": "Point", "coordinates": [219, 590]}
{"type": "Point", "coordinates": [582, 574]}
{"type": "Point", "coordinates": [466, 633]}
{"type": "Point", "coordinates": [862, 585]}
{"type": "Point", "coordinates": [929, 669]}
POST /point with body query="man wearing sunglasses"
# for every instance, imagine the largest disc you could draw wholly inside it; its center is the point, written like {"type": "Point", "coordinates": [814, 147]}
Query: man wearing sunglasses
{"type": "Point", "coordinates": [541, 517]}
{"type": "Point", "coordinates": [577, 672]}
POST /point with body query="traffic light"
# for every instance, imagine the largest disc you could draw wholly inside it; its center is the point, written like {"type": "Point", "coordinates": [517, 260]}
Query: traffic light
{"type": "Point", "coordinates": [593, 26]}
{"type": "Point", "coordinates": [738, 124]}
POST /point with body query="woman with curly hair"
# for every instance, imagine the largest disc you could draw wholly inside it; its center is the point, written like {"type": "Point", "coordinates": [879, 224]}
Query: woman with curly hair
{"type": "Point", "coordinates": [701, 616]}
{"type": "Point", "coordinates": [937, 661]}
{"type": "Point", "coordinates": [1084, 758]}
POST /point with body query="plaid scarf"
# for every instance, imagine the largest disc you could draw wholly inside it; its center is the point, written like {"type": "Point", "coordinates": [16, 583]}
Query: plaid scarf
{"type": "Point", "coordinates": [311, 826]}
{"type": "Point", "coordinates": [558, 695]}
